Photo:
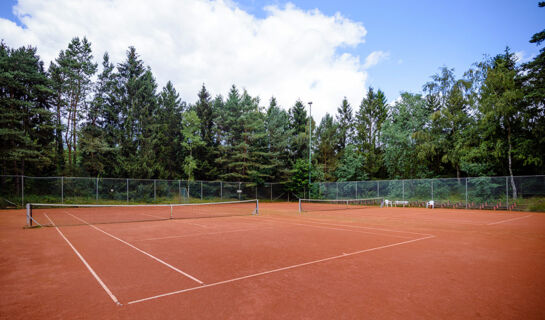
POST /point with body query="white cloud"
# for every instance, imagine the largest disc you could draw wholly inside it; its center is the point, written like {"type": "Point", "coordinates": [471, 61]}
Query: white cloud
{"type": "Point", "coordinates": [290, 53]}
{"type": "Point", "coordinates": [374, 58]}
{"type": "Point", "coordinates": [522, 57]}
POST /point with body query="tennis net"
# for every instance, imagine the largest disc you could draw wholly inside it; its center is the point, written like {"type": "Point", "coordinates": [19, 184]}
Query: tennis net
{"type": "Point", "coordinates": [345, 204]}
{"type": "Point", "coordinates": [41, 214]}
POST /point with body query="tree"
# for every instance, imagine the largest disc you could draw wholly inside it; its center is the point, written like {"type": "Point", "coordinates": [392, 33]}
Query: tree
{"type": "Point", "coordinates": [98, 133]}
{"type": "Point", "coordinates": [207, 152]}
{"type": "Point", "coordinates": [191, 140]}
{"type": "Point", "coordinates": [278, 134]}
{"type": "Point", "coordinates": [299, 127]}
{"type": "Point", "coordinates": [26, 128]}
{"type": "Point", "coordinates": [73, 70]}
{"type": "Point", "coordinates": [169, 136]}
{"type": "Point", "coordinates": [327, 137]}
{"type": "Point", "coordinates": [449, 101]}
{"type": "Point", "coordinates": [407, 116]}
{"type": "Point", "coordinates": [501, 109]}
{"type": "Point", "coordinates": [136, 96]}
{"type": "Point", "coordinates": [369, 120]}
{"type": "Point", "coordinates": [345, 121]}
{"type": "Point", "coordinates": [350, 166]}
{"type": "Point", "coordinates": [532, 78]}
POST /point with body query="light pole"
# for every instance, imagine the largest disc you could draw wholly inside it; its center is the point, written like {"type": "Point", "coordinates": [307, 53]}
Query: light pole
{"type": "Point", "coordinates": [309, 143]}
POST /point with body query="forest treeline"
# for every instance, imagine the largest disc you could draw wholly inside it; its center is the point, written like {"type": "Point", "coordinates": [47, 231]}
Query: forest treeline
{"type": "Point", "coordinates": [79, 118]}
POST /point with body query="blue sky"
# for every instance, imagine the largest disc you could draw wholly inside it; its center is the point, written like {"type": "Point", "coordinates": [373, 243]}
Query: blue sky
{"type": "Point", "coordinates": [422, 36]}
{"type": "Point", "coordinates": [418, 37]}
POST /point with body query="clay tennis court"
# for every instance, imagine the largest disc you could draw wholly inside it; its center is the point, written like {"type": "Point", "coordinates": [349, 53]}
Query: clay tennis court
{"type": "Point", "coordinates": [369, 263]}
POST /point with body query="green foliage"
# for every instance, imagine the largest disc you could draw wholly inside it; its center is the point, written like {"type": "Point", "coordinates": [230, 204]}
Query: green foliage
{"type": "Point", "coordinates": [26, 128]}
{"type": "Point", "coordinates": [66, 121]}
{"type": "Point", "coordinates": [351, 165]}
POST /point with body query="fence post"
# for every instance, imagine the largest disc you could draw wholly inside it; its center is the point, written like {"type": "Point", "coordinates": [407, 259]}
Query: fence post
{"type": "Point", "coordinates": [97, 191]}
{"type": "Point", "coordinates": [239, 193]}
{"type": "Point", "coordinates": [201, 190]}
{"type": "Point", "coordinates": [271, 190]}
{"type": "Point", "coordinates": [62, 189]}
{"type": "Point", "coordinates": [22, 191]}
{"type": "Point", "coordinates": [507, 192]}
{"type": "Point", "coordinates": [431, 189]}
{"type": "Point", "coordinates": [337, 197]}
{"type": "Point", "coordinates": [127, 190]}
{"type": "Point", "coordinates": [221, 190]}
{"type": "Point", "coordinates": [378, 188]}
{"type": "Point", "coordinates": [356, 190]}
{"type": "Point", "coordinates": [403, 189]}
{"type": "Point", "coordinates": [466, 193]}
{"type": "Point", "coordinates": [154, 190]}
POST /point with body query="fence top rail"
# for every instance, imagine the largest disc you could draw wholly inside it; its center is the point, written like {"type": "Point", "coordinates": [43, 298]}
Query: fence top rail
{"type": "Point", "coordinates": [138, 205]}
{"type": "Point", "coordinates": [267, 183]}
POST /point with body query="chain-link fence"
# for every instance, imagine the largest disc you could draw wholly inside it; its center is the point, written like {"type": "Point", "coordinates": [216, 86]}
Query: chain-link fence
{"type": "Point", "coordinates": [15, 191]}
{"type": "Point", "coordinates": [498, 193]}
{"type": "Point", "coordinates": [521, 193]}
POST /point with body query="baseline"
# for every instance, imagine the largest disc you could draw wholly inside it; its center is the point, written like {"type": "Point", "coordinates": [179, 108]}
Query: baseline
{"type": "Point", "coordinates": [344, 255]}
{"type": "Point", "coordinates": [508, 220]}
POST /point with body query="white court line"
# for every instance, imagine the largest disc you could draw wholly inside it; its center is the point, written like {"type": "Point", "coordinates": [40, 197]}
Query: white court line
{"type": "Point", "coordinates": [140, 250]}
{"type": "Point", "coordinates": [513, 219]}
{"type": "Point", "coordinates": [199, 234]}
{"type": "Point", "coordinates": [370, 228]}
{"type": "Point", "coordinates": [329, 228]}
{"type": "Point", "coordinates": [344, 255]}
{"type": "Point", "coordinates": [86, 264]}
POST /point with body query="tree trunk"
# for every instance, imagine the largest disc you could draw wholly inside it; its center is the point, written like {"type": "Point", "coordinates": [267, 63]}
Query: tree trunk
{"type": "Point", "coordinates": [513, 186]}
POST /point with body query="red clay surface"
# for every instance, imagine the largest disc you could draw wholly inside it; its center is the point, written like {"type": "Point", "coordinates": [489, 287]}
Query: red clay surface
{"type": "Point", "coordinates": [372, 263]}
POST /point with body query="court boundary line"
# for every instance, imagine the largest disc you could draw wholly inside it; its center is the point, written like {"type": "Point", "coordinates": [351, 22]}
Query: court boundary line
{"type": "Point", "coordinates": [344, 255]}
{"type": "Point", "coordinates": [141, 251]}
{"type": "Point", "coordinates": [317, 221]}
{"type": "Point", "coordinates": [93, 273]}
{"type": "Point", "coordinates": [507, 220]}
{"type": "Point", "coordinates": [200, 234]}
{"type": "Point", "coordinates": [338, 229]}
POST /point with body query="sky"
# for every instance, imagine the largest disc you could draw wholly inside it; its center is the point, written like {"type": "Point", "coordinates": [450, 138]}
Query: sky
{"type": "Point", "coordinates": [319, 51]}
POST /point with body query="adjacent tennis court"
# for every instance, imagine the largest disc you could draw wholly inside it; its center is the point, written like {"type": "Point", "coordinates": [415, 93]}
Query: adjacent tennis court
{"type": "Point", "coordinates": [271, 260]}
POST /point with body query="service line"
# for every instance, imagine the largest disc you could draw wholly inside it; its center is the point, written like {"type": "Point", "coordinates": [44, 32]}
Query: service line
{"type": "Point", "coordinates": [141, 251]}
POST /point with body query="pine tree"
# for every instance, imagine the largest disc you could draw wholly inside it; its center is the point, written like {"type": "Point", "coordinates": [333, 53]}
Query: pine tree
{"type": "Point", "coordinates": [169, 138]}
{"type": "Point", "coordinates": [369, 120]}
{"type": "Point", "coordinates": [299, 127]}
{"type": "Point", "coordinates": [73, 70]}
{"type": "Point", "coordinates": [278, 136]}
{"type": "Point", "coordinates": [327, 137]}
{"type": "Point", "coordinates": [206, 153]}
{"type": "Point", "coordinates": [136, 95]}
{"type": "Point", "coordinates": [345, 122]}
{"type": "Point", "coordinates": [26, 128]}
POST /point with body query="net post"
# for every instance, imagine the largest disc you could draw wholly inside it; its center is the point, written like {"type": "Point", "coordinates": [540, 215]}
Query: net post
{"type": "Point", "coordinates": [300, 206]}
{"type": "Point", "coordinates": [256, 206]}
{"type": "Point", "coordinates": [171, 215]}
{"type": "Point", "coordinates": [28, 215]}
